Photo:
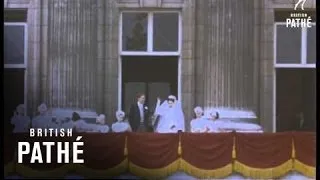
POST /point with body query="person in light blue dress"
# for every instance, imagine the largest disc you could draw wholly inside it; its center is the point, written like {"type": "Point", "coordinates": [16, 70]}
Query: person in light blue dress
{"type": "Point", "coordinates": [201, 124]}
{"type": "Point", "coordinates": [44, 119]}
{"type": "Point", "coordinates": [20, 121]}
{"type": "Point", "coordinates": [121, 125]}
{"type": "Point", "coordinates": [101, 125]}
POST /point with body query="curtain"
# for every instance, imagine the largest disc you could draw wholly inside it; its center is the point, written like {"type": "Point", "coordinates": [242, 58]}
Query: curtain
{"type": "Point", "coordinates": [266, 155]}
{"type": "Point", "coordinates": [207, 155]}
{"type": "Point", "coordinates": [153, 155]}
{"type": "Point", "coordinates": [304, 144]}
{"type": "Point", "coordinates": [104, 155]}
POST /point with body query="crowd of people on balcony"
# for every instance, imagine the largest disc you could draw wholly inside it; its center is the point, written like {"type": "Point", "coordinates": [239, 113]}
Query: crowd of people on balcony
{"type": "Point", "coordinates": [167, 117]}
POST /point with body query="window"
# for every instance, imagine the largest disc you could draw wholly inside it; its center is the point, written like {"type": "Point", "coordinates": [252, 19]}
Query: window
{"type": "Point", "coordinates": [311, 45]}
{"type": "Point", "coordinates": [15, 51]}
{"type": "Point", "coordinates": [15, 58]}
{"type": "Point", "coordinates": [295, 47]}
{"type": "Point", "coordinates": [150, 33]}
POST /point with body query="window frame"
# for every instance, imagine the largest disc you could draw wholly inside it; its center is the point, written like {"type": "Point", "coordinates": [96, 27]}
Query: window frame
{"type": "Point", "coordinates": [150, 51]}
{"type": "Point", "coordinates": [25, 63]}
{"type": "Point", "coordinates": [303, 59]}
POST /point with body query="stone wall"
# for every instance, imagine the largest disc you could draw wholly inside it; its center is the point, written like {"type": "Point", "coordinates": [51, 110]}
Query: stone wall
{"type": "Point", "coordinates": [225, 54]}
{"type": "Point", "coordinates": [215, 71]}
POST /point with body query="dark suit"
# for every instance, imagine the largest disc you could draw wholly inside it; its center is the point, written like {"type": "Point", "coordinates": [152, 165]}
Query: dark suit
{"type": "Point", "coordinates": [134, 117]}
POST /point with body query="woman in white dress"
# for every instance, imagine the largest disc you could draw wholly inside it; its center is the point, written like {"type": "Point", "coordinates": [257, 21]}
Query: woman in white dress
{"type": "Point", "coordinates": [20, 121]}
{"type": "Point", "coordinates": [120, 125]}
{"type": "Point", "coordinates": [171, 116]}
{"type": "Point", "coordinates": [201, 124]}
{"type": "Point", "coordinates": [43, 120]}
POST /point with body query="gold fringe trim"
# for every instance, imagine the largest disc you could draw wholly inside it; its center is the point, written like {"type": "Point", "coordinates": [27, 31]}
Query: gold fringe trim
{"type": "Point", "coordinates": [234, 148]}
{"type": "Point", "coordinates": [93, 173]}
{"type": "Point", "coordinates": [264, 173]}
{"type": "Point", "coordinates": [293, 154]}
{"type": "Point", "coordinates": [59, 172]}
{"type": "Point", "coordinates": [125, 147]}
{"type": "Point", "coordinates": [304, 169]}
{"type": "Point", "coordinates": [8, 169]}
{"type": "Point", "coordinates": [179, 146]}
{"type": "Point", "coordinates": [154, 173]}
{"type": "Point", "coordinates": [201, 173]}
{"type": "Point", "coordinates": [179, 149]}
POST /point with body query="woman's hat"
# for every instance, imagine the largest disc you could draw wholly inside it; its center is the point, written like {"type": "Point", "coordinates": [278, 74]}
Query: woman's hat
{"type": "Point", "coordinates": [20, 108]}
{"type": "Point", "coordinates": [42, 108]}
{"type": "Point", "coordinates": [172, 98]}
{"type": "Point", "coordinates": [101, 117]}
{"type": "Point", "coordinates": [120, 114]}
{"type": "Point", "coordinates": [198, 109]}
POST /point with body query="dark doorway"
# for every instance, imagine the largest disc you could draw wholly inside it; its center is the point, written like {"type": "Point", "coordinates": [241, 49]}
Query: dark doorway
{"type": "Point", "coordinates": [13, 94]}
{"type": "Point", "coordinates": [296, 99]}
{"type": "Point", "coordinates": [153, 76]}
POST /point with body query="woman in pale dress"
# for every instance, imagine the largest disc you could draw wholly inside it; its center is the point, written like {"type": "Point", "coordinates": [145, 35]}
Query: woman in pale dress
{"type": "Point", "coordinates": [20, 121]}
{"type": "Point", "coordinates": [201, 124]}
{"type": "Point", "coordinates": [79, 125]}
{"type": "Point", "coordinates": [43, 120]}
{"type": "Point", "coordinates": [120, 125]}
{"type": "Point", "coordinates": [101, 125]}
{"type": "Point", "coordinates": [171, 116]}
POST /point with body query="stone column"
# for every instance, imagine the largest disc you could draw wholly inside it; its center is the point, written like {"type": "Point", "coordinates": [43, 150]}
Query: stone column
{"type": "Point", "coordinates": [226, 68]}
{"type": "Point", "coordinates": [100, 55]}
{"type": "Point", "coordinates": [72, 55]}
{"type": "Point", "coordinates": [188, 60]}
{"type": "Point", "coordinates": [33, 60]}
{"type": "Point", "coordinates": [111, 65]}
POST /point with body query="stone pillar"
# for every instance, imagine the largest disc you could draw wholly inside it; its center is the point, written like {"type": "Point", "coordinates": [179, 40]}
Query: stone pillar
{"type": "Point", "coordinates": [188, 61]}
{"type": "Point", "coordinates": [226, 68]}
{"type": "Point", "coordinates": [71, 62]}
{"type": "Point", "coordinates": [33, 60]}
{"type": "Point", "coordinates": [111, 64]}
{"type": "Point", "coordinates": [100, 56]}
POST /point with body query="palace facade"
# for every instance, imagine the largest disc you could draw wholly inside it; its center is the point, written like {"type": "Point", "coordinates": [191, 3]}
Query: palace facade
{"type": "Point", "coordinates": [94, 56]}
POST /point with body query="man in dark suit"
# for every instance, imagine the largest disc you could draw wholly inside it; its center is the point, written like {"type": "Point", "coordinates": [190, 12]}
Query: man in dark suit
{"type": "Point", "coordinates": [139, 115]}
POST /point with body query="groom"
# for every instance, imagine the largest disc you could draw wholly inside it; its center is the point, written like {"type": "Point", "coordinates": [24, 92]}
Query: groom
{"type": "Point", "coordinates": [139, 115]}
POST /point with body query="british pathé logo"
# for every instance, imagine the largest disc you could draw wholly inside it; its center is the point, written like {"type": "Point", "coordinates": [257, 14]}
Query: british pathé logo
{"type": "Point", "coordinates": [300, 2]}
{"type": "Point", "coordinates": [299, 19]}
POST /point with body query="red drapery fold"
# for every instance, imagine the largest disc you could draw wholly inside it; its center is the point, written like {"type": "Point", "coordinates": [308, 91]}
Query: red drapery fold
{"type": "Point", "coordinates": [103, 155]}
{"type": "Point", "coordinates": [305, 152]}
{"type": "Point", "coordinates": [152, 154]}
{"type": "Point", "coordinates": [207, 155]}
{"type": "Point", "coordinates": [264, 155]}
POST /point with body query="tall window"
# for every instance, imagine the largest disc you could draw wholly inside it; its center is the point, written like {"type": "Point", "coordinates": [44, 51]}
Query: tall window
{"type": "Point", "coordinates": [15, 62]}
{"type": "Point", "coordinates": [295, 47]}
{"type": "Point", "coordinates": [15, 51]}
{"type": "Point", "coordinates": [150, 33]}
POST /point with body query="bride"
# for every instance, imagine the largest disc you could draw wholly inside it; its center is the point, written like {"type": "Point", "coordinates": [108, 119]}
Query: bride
{"type": "Point", "coordinates": [171, 118]}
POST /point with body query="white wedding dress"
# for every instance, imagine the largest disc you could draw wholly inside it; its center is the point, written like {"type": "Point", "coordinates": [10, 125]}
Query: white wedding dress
{"type": "Point", "coordinates": [169, 117]}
